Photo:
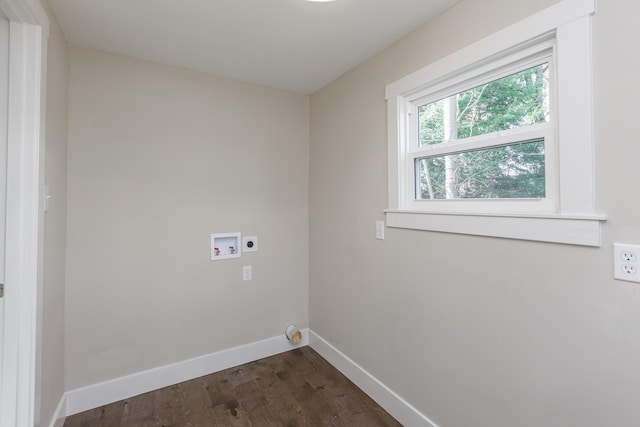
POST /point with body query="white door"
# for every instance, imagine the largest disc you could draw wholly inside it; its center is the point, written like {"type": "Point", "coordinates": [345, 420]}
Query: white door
{"type": "Point", "coordinates": [4, 95]}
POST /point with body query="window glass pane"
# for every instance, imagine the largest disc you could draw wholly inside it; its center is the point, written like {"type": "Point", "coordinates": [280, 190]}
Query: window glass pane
{"type": "Point", "coordinates": [504, 172]}
{"type": "Point", "coordinates": [521, 99]}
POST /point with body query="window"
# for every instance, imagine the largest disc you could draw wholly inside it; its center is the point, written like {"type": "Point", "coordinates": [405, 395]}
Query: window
{"type": "Point", "coordinates": [496, 139]}
{"type": "Point", "coordinates": [486, 142]}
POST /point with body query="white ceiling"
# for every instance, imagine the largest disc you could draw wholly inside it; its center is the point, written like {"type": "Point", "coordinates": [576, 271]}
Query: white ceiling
{"type": "Point", "coordinates": [289, 44]}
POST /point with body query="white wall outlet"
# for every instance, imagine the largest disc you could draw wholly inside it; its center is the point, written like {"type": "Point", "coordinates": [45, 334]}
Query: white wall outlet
{"type": "Point", "coordinates": [625, 262]}
{"type": "Point", "coordinates": [250, 243]}
{"type": "Point", "coordinates": [247, 273]}
{"type": "Point", "coordinates": [380, 230]}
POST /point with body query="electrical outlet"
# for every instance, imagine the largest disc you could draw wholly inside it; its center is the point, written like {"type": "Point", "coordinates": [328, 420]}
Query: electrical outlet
{"type": "Point", "coordinates": [247, 273]}
{"type": "Point", "coordinates": [249, 243]}
{"type": "Point", "coordinates": [625, 262]}
{"type": "Point", "coordinates": [628, 270]}
{"type": "Point", "coordinates": [628, 256]}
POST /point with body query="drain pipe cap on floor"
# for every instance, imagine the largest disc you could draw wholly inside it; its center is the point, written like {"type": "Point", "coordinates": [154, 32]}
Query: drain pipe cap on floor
{"type": "Point", "coordinates": [293, 334]}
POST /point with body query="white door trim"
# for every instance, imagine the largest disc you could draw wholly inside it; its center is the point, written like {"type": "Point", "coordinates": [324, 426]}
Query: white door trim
{"type": "Point", "coordinates": [27, 53]}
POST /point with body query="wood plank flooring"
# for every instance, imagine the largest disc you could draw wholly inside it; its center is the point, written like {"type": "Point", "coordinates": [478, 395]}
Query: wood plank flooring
{"type": "Point", "coordinates": [294, 389]}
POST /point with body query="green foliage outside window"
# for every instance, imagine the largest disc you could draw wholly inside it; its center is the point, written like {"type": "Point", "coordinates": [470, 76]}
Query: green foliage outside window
{"type": "Point", "coordinates": [513, 171]}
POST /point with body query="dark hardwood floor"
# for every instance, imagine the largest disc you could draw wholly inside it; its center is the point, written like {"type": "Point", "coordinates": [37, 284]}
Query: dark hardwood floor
{"type": "Point", "coordinates": [297, 388]}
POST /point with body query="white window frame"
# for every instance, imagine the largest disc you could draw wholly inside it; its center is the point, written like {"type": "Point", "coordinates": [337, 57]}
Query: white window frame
{"type": "Point", "coordinates": [567, 214]}
{"type": "Point", "coordinates": [539, 53]}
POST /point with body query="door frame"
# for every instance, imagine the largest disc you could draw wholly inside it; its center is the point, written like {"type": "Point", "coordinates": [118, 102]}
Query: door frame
{"type": "Point", "coordinates": [28, 33]}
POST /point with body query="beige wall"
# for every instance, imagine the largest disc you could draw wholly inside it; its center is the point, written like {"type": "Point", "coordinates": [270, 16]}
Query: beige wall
{"type": "Point", "coordinates": [478, 331]}
{"type": "Point", "coordinates": [160, 158]}
{"type": "Point", "coordinates": [51, 378]}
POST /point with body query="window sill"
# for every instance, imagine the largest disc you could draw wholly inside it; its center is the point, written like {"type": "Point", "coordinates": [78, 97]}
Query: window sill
{"type": "Point", "coordinates": [568, 229]}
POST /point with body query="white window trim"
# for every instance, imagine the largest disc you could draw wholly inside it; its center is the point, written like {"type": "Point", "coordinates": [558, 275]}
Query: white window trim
{"type": "Point", "coordinates": [573, 220]}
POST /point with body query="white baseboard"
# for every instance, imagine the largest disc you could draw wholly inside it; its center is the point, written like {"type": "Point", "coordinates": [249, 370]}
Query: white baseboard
{"type": "Point", "coordinates": [394, 404]}
{"type": "Point", "coordinates": [93, 396]}
{"type": "Point", "coordinates": [96, 395]}
{"type": "Point", "coordinates": [61, 412]}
